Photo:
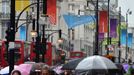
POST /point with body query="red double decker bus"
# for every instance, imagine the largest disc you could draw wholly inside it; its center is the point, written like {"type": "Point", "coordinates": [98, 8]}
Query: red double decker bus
{"type": "Point", "coordinates": [23, 51]}
{"type": "Point", "coordinates": [47, 56]}
{"type": "Point", "coordinates": [19, 53]}
{"type": "Point", "coordinates": [76, 54]}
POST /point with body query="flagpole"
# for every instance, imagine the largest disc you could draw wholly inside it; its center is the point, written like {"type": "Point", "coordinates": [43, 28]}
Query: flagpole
{"type": "Point", "coordinates": [97, 31]}
{"type": "Point", "coordinates": [119, 34]}
{"type": "Point", "coordinates": [108, 31]}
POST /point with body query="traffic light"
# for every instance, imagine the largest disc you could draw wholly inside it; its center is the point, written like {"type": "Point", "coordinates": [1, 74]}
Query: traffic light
{"type": "Point", "coordinates": [45, 7]}
{"type": "Point", "coordinates": [7, 35]}
{"type": "Point", "coordinates": [10, 35]}
{"type": "Point", "coordinates": [60, 33]}
{"type": "Point", "coordinates": [44, 45]}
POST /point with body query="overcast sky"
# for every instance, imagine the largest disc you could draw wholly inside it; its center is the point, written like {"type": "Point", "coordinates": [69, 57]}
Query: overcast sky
{"type": "Point", "coordinates": [125, 5]}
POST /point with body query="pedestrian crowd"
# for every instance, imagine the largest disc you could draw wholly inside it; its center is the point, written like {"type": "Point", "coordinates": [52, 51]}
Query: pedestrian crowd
{"type": "Point", "coordinates": [45, 70]}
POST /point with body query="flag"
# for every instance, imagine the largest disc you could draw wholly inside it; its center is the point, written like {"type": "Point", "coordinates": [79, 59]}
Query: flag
{"type": "Point", "coordinates": [130, 35]}
{"type": "Point", "coordinates": [113, 26]}
{"type": "Point", "coordinates": [74, 20]}
{"type": "Point", "coordinates": [103, 21]}
{"type": "Point", "coordinates": [101, 36]}
{"type": "Point", "coordinates": [21, 4]}
{"type": "Point", "coordinates": [123, 37]}
{"type": "Point", "coordinates": [51, 11]}
{"type": "Point", "coordinates": [23, 33]}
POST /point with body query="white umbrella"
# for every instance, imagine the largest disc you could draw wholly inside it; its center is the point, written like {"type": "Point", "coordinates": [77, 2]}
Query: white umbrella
{"type": "Point", "coordinates": [95, 63]}
{"type": "Point", "coordinates": [6, 70]}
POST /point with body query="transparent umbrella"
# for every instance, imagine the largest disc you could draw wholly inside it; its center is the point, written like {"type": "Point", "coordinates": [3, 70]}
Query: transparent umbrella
{"type": "Point", "coordinates": [6, 70]}
{"type": "Point", "coordinates": [24, 68]}
{"type": "Point", "coordinates": [95, 64]}
{"type": "Point", "coordinates": [29, 68]}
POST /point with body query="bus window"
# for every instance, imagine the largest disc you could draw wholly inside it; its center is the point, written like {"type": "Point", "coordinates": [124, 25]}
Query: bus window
{"type": "Point", "coordinates": [76, 54]}
{"type": "Point", "coordinates": [17, 54]}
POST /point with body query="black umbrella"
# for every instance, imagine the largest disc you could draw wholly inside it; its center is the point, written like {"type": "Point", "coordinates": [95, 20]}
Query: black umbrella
{"type": "Point", "coordinates": [71, 65]}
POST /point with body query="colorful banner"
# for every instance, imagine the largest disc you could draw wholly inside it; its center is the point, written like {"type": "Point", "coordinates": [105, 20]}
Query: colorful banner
{"type": "Point", "coordinates": [103, 21]}
{"type": "Point", "coordinates": [101, 36]}
{"type": "Point", "coordinates": [132, 42]}
{"type": "Point", "coordinates": [51, 11]}
{"type": "Point", "coordinates": [74, 20]}
{"type": "Point", "coordinates": [21, 4]}
{"type": "Point", "coordinates": [130, 36]}
{"type": "Point", "coordinates": [113, 26]}
{"type": "Point", "coordinates": [23, 33]}
{"type": "Point", "coordinates": [123, 37]}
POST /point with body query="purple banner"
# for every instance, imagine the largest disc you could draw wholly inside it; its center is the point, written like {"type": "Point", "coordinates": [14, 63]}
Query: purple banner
{"type": "Point", "coordinates": [101, 36]}
{"type": "Point", "coordinates": [113, 26]}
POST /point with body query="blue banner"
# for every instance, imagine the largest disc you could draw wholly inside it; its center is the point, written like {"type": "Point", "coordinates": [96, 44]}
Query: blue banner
{"type": "Point", "coordinates": [123, 37]}
{"type": "Point", "coordinates": [75, 20]}
{"type": "Point", "coordinates": [23, 33]}
{"type": "Point", "coordinates": [130, 35]}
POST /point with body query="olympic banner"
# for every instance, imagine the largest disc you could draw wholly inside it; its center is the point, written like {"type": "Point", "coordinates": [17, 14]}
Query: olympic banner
{"type": "Point", "coordinates": [23, 33]}
{"type": "Point", "coordinates": [113, 26]}
{"type": "Point", "coordinates": [123, 37]}
{"type": "Point", "coordinates": [103, 21]}
{"type": "Point", "coordinates": [101, 36]}
{"type": "Point", "coordinates": [130, 36]}
{"type": "Point", "coordinates": [21, 4]}
{"type": "Point", "coordinates": [74, 20]}
{"type": "Point", "coordinates": [51, 11]}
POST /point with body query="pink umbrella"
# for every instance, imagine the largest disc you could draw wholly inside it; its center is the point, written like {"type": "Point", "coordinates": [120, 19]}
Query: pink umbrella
{"type": "Point", "coordinates": [24, 68]}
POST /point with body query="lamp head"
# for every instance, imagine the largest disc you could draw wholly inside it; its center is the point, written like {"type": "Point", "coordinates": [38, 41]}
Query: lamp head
{"type": "Point", "coordinates": [60, 40]}
{"type": "Point", "coordinates": [33, 33]}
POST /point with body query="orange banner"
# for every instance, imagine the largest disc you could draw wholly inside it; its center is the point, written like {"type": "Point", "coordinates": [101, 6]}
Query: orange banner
{"type": "Point", "coordinates": [21, 4]}
{"type": "Point", "coordinates": [103, 22]}
{"type": "Point", "coordinates": [51, 11]}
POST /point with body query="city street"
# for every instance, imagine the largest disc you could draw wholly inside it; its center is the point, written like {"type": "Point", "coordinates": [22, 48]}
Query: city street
{"type": "Point", "coordinates": [66, 37]}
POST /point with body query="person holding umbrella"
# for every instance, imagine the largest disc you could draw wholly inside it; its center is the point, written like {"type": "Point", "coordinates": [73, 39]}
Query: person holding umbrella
{"type": "Point", "coordinates": [67, 72]}
{"type": "Point", "coordinates": [45, 70]}
{"type": "Point", "coordinates": [16, 72]}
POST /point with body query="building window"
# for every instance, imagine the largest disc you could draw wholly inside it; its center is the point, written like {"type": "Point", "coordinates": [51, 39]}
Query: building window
{"type": "Point", "coordinates": [4, 28]}
{"type": "Point", "coordinates": [5, 6]}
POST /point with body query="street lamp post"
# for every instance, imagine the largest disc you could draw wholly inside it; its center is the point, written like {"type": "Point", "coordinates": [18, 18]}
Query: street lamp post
{"type": "Point", "coordinates": [38, 39]}
{"type": "Point", "coordinates": [12, 37]}
{"type": "Point", "coordinates": [127, 13]}
{"type": "Point", "coordinates": [108, 38]}
{"type": "Point", "coordinates": [119, 34]}
{"type": "Point", "coordinates": [97, 31]}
